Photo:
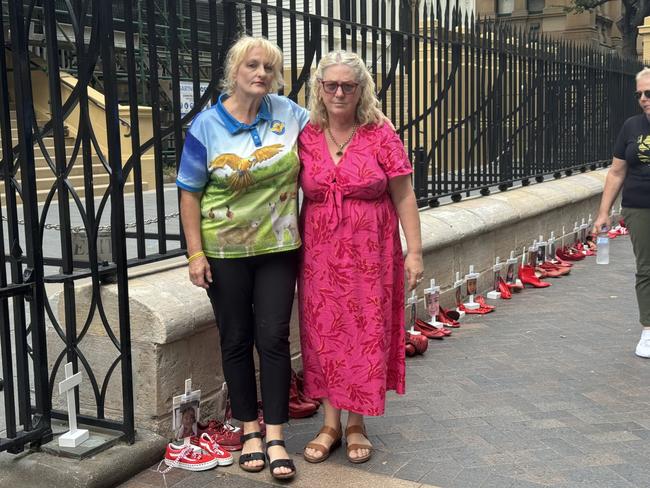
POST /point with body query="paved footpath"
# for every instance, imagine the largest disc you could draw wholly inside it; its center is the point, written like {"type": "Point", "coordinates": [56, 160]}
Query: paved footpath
{"type": "Point", "coordinates": [545, 391]}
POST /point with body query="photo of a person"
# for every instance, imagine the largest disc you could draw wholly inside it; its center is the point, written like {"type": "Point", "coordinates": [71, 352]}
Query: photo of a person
{"type": "Point", "coordinates": [471, 286]}
{"type": "Point", "coordinates": [432, 303]}
{"type": "Point", "coordinates": [459, 295]}
{"type": "Point", "coordinates": [185, 420]}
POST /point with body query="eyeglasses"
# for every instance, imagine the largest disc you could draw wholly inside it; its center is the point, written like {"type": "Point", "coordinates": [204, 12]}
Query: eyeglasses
{"type": "Point", "coordinates": [331, 87]}
{"type": "Point", "coordinates": [645, 93]}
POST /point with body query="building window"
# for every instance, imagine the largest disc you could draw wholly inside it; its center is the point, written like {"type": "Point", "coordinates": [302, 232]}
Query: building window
{"type": "Point", "coordinates": [536, 6]}
{"type": "Point", "coordinates": [505, 7]}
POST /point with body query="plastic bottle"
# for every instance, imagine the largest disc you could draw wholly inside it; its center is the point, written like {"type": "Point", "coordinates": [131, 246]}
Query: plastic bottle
{"type": "Point", "coordinates": [602, 243]}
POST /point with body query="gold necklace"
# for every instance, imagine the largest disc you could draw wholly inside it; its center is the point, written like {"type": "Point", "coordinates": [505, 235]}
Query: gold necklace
{"type": "Point", "coordinates": [341, 146]}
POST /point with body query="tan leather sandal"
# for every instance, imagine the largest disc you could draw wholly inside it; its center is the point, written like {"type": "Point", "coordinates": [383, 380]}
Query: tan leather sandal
{"type": "Point", "coordinates": [357, 429]}
{"type": "Point", "coordinates": [324, 450]}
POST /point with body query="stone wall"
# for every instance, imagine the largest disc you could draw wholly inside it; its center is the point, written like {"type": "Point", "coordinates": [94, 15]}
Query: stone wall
{"type": "Point", "coordinates": [173, 332]}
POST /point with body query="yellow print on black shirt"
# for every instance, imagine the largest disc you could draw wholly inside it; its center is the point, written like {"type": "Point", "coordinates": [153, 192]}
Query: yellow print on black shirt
{"type": "Point", "coordinates": [644, 149]}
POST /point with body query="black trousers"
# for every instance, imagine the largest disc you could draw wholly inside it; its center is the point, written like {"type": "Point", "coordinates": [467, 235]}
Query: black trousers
{"type": "Point", "coordinates": [252, 299]}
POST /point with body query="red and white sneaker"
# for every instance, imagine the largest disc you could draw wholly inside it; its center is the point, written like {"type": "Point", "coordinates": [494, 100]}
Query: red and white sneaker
{"type": "Point", "coordinates": [205, 442]}
{"type": "Point", "coordinates": [189, 457]}
{"type": "Point", "coordinates": [227, 436]}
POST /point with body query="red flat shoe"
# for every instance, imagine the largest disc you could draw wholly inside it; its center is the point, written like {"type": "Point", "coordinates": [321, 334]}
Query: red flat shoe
{"type": "Point", "coordinates": [476, 311]}
{"type": "Point", "coordinates": [429, 331]}
{"type": "Point", "coordinates": [566, 255]}
{"type": "Point", "coordinates": [547, 272]}
{"type": "Point", "coordinates": [558, 262]}
{"type": "Point", "coordinates": [449, 317]}
{"type": "Point", "coordinates": [409, 350]}
{"type": "Point", "coordinates": [426, 325]}
{"type": "Point", "coordinates": [561, 270]}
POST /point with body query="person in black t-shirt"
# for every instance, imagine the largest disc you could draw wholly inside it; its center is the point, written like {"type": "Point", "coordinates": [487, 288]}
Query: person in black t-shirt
{"type": "Point", "coordinates": [630, 172]}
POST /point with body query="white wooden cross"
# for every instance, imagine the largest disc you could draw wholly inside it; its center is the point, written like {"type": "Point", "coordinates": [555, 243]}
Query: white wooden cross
{"type": "Point", "coordinates": [74, 436]}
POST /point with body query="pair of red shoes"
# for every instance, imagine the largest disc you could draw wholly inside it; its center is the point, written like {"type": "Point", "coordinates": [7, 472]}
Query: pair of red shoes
{"type": "Point", "coordinates": [569, 254]}
{"type": "Point", "coordinates": [554, 270]}
{"type": "Point", "coordinates": [618, 230]}
{"type": "Point", "coordinates": [448, 317]}
{"type": "Point", "coordinates": [415, 344]}
{"type": "Point", "coordinates": [224, 434]}
{"type": "Point", "coordinates": [431, 332]}
{"type": "Point", "coordinates": [481, 310]}
{"type": "Point", "coordinates": [300, 406]}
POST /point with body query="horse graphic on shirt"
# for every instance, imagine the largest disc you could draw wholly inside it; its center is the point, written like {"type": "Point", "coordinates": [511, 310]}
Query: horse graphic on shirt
{"type": "Point", "coordinates": [242, 177]}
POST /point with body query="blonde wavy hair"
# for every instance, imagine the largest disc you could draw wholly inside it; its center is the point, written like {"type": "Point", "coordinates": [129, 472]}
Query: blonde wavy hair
{"type": "Point", "coordinates": [368, 111]}
{"type": "Point", "coordinates": [237, 54]}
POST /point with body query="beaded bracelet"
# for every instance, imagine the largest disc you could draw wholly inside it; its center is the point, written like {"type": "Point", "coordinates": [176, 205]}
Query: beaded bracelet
{"type": "Point", "coordinates": [195, 256]}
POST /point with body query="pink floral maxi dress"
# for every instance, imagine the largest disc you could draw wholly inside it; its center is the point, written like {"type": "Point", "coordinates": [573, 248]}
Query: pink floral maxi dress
{"type": "Point", "coordinates": [351, 281]}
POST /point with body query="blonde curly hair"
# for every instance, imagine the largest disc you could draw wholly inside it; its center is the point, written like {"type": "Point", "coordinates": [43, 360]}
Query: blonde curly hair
{"type": "Point", "coordinates": [237, 54]}
{"type": "Point", "coordinates": [368, 111]}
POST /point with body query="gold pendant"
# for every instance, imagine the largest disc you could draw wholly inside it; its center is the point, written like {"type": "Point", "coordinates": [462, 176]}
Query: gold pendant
{"type": "Point", "coordinates": [339, 153]}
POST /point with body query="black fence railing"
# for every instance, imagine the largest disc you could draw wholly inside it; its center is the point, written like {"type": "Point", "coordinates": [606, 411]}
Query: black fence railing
{"type": "Point", "coordinates": [478, 105]}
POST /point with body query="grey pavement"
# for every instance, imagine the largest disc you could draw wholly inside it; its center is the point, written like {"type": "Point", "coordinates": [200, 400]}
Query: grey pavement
{"type": "Point", "coordinates": [544, 392]}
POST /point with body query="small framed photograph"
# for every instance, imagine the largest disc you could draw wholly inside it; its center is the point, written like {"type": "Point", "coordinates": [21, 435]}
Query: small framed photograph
{"type": "Point", "coordinates": [186, 414]}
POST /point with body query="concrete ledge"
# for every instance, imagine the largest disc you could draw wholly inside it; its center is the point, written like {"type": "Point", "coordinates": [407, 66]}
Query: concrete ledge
{"type": "Point", "coordinates": [109, 468]}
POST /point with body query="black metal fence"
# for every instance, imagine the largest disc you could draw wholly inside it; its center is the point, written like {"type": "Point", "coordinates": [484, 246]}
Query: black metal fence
{"type": "Point", "coordinates": [479, 106]}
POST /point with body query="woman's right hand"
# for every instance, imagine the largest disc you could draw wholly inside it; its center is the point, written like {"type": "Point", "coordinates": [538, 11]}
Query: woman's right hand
{"type": "Point", "coordinates": [601, 220]}
{"type": "Point", "coordinates": [200, 273]}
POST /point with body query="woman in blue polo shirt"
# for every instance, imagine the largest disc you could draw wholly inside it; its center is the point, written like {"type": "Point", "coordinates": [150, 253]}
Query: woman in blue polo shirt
{"type": "Point", "coordinates": [238, 180]}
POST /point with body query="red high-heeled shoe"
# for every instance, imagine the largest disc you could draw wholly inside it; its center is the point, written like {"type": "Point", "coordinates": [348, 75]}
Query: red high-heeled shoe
{"type": "Point", "coordinates": [480, 299]}
{"type": "Point", "coordinates": [506, 294]}
{"type": "Point", "coordinates": [528, 277]}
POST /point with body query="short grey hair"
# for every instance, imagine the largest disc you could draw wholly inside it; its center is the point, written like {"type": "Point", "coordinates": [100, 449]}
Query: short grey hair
{"type": "Point", "coordinates": [643, 73]}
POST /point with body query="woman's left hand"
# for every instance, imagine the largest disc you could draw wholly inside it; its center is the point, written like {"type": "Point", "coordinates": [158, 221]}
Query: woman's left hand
{"type": "Point", "coordinates": [414, 269]}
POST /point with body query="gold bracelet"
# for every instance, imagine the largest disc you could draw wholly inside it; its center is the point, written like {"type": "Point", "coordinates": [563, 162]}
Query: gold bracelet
{"type": "Point", "coordinates": [195, 256]}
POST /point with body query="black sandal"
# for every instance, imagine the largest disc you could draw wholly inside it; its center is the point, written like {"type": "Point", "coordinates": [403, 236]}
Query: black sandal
{"type": "Point", "coordinates": [280, 463]}
{"type": "Point", "coordinates": [252, 456]}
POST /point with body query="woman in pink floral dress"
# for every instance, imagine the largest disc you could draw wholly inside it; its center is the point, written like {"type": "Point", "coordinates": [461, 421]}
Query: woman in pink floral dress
{"type": "Point", "coordinates": [355, 177]}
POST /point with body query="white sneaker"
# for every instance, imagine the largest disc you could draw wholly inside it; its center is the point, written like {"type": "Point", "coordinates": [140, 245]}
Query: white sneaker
{"type": "Point", "coordinates": [643, 347]}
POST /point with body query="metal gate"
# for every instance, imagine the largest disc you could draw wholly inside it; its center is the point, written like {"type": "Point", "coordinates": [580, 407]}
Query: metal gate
{"type": "Point", "coordinates": [40, 203]}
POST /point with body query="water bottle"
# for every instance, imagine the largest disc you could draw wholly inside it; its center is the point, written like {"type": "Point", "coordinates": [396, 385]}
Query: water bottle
{"type": "Point", "coordinates": [602, 244]}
